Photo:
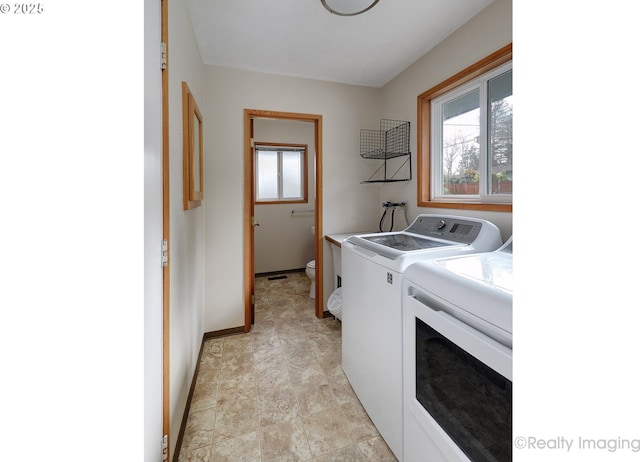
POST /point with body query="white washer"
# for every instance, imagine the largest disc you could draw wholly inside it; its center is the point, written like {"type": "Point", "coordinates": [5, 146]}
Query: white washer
{"type": "Point", "coordinates": [372, 268]}
{"type": "Point", "coordinates": [457, 358]}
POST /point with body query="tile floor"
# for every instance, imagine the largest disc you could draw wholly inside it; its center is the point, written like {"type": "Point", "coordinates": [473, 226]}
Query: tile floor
{"type": "Point", "coordinates": [278, 393]}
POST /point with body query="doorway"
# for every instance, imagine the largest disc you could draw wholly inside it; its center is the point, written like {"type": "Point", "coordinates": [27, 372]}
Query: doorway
{"type": "Point", "coordinates": [249, 214]}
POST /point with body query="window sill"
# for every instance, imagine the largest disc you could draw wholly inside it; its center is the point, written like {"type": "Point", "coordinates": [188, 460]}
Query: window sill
{"type": "Point", "coordinates": [496, 207]}
{"type": "Point", "coordinates": [302, 201]}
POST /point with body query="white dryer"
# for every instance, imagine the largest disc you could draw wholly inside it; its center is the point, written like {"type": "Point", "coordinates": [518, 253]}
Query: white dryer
{"type": "Point", "coordinates": [372, 269]}
{"type": "Point", "coordinates": [457, 358]}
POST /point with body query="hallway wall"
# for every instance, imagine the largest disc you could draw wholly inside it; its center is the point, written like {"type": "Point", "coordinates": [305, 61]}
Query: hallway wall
{"type": "Point", "coordinates": [348, 205]}
{"type": "Point", "coordinates": [187, 227]}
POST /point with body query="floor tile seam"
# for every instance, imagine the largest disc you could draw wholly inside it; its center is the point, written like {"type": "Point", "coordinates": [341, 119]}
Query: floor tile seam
{"type": "Point", "coordinates": [306, 438]}
{"type": "Point", "coordinates": [255, 394]}
{"type": "Point", "coordinates": [335, 403]}
{"type": "Point", "coordinates": [281, 361]}
{"type": "Point", "coordinates": [266, 415]}
{"type": "Point", "coordinates": [293, 389]}
{"type": "Point", "coordinates": [216, 408]}
{"type": "Point", "coordinates": [226, 374]}
{"type": "Point", "coordinates": [357, 445]}
{"type": "Point", "coordinates": [301, 362]}
{"type": "Point", "coordinates": [218, 379]}
{"type": "Point", "coordinates": [236, 352]}
{"type": "Point", "coordinates": [238, 437]}
{"type": "Point", "coordinates": [213, 407]}
{"type": "Point", "coordinates": [191, 451]}
{"type": "Point", "coordinates": [304, 428]}
{"type": "Point", "coordinates": [259, 430]}
{"type": "Point", "coordinates": [271, 334]}
{"type": "Point", "coordinates": [255, 399]}
{"type": "Point", "coordinates": [230, 357]}
{"type": "Point", "coordinates": [215, 401]}
{"type": "Point", "coordinates": [196, 447]}
{"type": "Point", "coordinates": [258, 426]}
{"type": "Point", "coordinates": [383, 441]}
{"type": "Point", "coordinates": [315, 458]}
{"type": "Point", "coordinates": [290, 386]}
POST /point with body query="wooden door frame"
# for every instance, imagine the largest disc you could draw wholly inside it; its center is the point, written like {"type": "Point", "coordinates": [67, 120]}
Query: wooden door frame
{"type": "Point", "coordinates": [166, 401]}
{"type": "Point", "coordinates": [249, 188]}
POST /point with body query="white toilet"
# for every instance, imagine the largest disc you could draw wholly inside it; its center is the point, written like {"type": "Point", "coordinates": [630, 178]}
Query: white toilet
{"type": "Point", "coordinates": [311, 272]}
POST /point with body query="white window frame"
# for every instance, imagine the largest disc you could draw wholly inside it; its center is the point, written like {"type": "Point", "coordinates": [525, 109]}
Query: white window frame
{"type": "Point", "coordinates": [489, 62]}
{"type": "Point", "coordinates": [279, 149]}
{"type": "Point", "coordinates": [437, 157]}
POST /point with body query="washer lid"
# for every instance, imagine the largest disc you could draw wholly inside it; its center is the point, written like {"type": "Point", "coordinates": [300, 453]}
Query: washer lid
{"type": "Point", "coordinates": [397, 246]}
{"type": "Point", "coordinates": [405, 242]}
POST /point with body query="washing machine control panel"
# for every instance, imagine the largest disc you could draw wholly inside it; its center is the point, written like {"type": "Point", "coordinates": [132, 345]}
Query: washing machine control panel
{"type": "Point", "coordinates": [450, 228]}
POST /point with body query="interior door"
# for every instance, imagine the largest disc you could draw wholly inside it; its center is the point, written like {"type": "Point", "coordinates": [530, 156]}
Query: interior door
{"type": "Point", "coordinates": [252, 273]}
{"type": "Point", "coordinates": [153, 234]}
{"type": "Point", "coordinates": [248, 226]}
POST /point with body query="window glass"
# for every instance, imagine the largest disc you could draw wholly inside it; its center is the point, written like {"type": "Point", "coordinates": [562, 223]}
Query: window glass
{"type": "Point", "coordinates": [280, 173]}
{"type": "Point", "coordinates": [501, 133]}
{"type": "Point", "coordinates": [460, 145]}
{"type": "Point", "coordinates": [291, 174]}
{"type": "Point", "coordinates": [267, 169]}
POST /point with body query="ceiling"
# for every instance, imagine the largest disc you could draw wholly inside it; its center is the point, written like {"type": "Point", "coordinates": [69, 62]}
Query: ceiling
{"type": "Point", "coordinates": [301, 38]}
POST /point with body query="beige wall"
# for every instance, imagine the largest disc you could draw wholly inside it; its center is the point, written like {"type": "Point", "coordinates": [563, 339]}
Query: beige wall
{"type": "Point", "coordinates": [187, 227]}
{"type": "Point", "coordinates": [348, 205]}
{"type": "Point", "coordinates": [488, 31]}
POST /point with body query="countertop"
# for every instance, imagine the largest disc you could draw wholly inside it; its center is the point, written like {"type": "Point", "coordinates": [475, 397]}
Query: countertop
{"type": "Point", "coordinates": [337, 239]}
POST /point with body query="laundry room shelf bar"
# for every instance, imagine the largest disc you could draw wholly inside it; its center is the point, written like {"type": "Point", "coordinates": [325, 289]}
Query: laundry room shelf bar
{"type": "Point", "coordinates": [293, 212]}
{"type": "Point", "coordinates": [380, 175]}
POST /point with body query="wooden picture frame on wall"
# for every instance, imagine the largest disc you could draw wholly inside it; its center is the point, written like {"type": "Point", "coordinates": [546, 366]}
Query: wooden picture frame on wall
{"type": "Point", "coordinates": [192, 151]}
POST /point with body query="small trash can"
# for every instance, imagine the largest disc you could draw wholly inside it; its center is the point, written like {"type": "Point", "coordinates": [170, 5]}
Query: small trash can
{"type": "Point", "coordinates": [334, 304]}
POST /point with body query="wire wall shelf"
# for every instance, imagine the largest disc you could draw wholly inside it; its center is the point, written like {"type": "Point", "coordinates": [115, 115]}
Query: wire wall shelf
{"type": "Point", "coordinates": [389, 142]}
{"type": "Point", "coordinates": [392, 140]}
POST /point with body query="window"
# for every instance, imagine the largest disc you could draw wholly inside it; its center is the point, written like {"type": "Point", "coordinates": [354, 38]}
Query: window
{"type": "Point", "coordinates": [465, 138]}
{"type": "Point", "coordinates": [281, 173]}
